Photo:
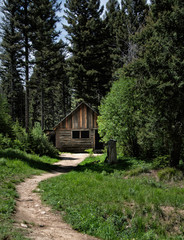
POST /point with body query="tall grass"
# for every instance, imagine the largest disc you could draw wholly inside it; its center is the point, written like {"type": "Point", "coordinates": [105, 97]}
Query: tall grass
{"type": "Point", "coordinates": [105, 201]}
{"type": "Point", "coordinates": [15, 166]}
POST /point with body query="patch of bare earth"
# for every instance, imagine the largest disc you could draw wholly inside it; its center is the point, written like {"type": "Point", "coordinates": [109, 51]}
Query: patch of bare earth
{"type": "Point", "coordinates": [173, 218]}
{"type": "Point", "coordinates": [40, 222]}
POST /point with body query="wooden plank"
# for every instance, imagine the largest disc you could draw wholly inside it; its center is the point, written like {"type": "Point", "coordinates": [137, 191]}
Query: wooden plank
{"type": "Point", "coordinates": [85, 117]}
{"type": "Point", "coordinates": [66, 123]}
{"type": "Point", "coordinates": [63, 124]}
{"type": "Point", "coordinates": [75, 121]}
{"type": "Point", "coordinates": [95, 120]}
{"type": "Point", "coordinates": [80, 117]}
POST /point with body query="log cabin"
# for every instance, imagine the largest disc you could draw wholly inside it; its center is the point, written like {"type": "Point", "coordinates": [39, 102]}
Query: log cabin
{"type": "Point", "coordinates": [78, 131]}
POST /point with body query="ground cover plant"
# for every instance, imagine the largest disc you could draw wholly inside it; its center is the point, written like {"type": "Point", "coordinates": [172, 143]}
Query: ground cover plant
{"type": "Point", "coordinates": [15, 166]}
{"type": "Point", "coordinates": [124, 201]}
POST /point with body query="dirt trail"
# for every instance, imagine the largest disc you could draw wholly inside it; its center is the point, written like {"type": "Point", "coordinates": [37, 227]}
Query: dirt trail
{"type": "Point", "coordinates": [39, 220]}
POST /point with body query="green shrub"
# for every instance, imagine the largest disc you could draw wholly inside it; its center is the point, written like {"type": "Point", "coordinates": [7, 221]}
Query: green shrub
{"type": "Point", "coordinates": [170, 174]}
{"type": "Point", "coordinates": [161, 162]}
{"type": "Point", "coordinates": [22, 139]}
{"type": "Point", "coordinates": [90, 151]}
{"type": "Point", "coordinates": [40, 144]}
{"type": "Point", "coordinates": [138, 171]}
{"type": "Point", "coordinates": [5, 142]}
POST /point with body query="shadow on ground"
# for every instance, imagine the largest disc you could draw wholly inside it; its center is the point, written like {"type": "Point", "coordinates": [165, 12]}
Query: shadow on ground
{"type": "Point", "coordinates": [101, 166]}
{"type": "Point", "coordinates": [36, 163]}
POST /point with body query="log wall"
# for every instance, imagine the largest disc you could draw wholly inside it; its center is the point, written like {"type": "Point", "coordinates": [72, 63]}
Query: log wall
{"type": "Point", "coordinates": [82, 119]}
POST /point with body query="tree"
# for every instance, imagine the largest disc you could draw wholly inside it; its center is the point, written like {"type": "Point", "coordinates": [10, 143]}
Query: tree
{"type": "Point", "coordinates": [87, 64]}
{"type": "Point", "coordinates": [134, 13]}
{"type": "Point", "coordinates": [160, 71]}
{"type": "Point", "coordinates": [112, 22]}
{"type": "Point", "coordinates": [5, 118]}
{"type": "Point", "coordinates": [49, 78]}
{"type": "Point", "coordinates": [23, 27]}
{"type": "Point", "coordinates": [121, 26]}
{"type": "Point", "coordinates": [10, 60]}
{"type": "Point", "coordinates": [117, 116]}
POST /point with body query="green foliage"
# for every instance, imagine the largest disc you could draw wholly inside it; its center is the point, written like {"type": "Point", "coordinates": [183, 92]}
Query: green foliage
{"type": "Point", "coordinates": [107, 205]}
{"type": "Point", "coordinates": [161, 162]}
{"type": "Point", "coordinates": [90, 151]}
{"type": "Point", "coordinates": [117, 116]}
{"type": "Point", "coordinates": [16, 165]}
{"type": "Point", "coordinates": [88, 69]}
{"type": "Point", "coordinates": [11, 79]}
{"type": "Point", "coordinates": [39, 143]}
{"type": "Point", "coordinates": [5, 142]}
{"type": "Point", "coordinates": [48, 83]}
{"type": "Point", "coordinates": [5, 119]}
{"type": "Point", "coordinates": [21, 140]}
{"type": "Point", "coordinates": [138, 171]}
{"type": "Point", "coordinates": [170, 174]}
{"type": "Point", "coordinates": [159, 68]}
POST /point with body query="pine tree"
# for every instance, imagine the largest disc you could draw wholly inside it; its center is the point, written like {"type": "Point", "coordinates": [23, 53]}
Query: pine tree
{"type": "Point", "coordinates": [111, 22]}
{"type": "Point", "coordinates": [121, 26]}
{"type": "Point", "coordinates": [160, 72]}
{"type": "Point", "coordinates": [131, 19]}
{"type": "Point", "coordinates": [48, 78]}
{"type": "Point", "coordinates": [22, 17]}
{"type": "Point", "coordinates": [10, 60]}
{"type": "Point", "coordinates": [87, 65]}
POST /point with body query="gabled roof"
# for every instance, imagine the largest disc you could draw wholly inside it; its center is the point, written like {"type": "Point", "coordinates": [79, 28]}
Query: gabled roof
{"type": "Point", "coordinates": [78, 106]}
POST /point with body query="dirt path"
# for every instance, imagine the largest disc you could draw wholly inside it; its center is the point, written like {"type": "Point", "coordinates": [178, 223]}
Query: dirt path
{"type": "Point", "coordinates": [39, 220]}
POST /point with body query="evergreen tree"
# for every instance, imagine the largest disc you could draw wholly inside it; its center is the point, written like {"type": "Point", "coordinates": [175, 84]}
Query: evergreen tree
{"type": "Point", "coordinates": [160, 72]}
{"type": "Point", "coordinates": [10, 60]}
{"type": "Point", "coordinates": [131, 19]}
{"type": "Point", "coordinates": [111, 22]}
{"type": "Point", "coordinates": [5, 118]}
{"type": "Point", "coordinates": [23, 27]}
{"type": "Point", "coordinates": [48, 79]}
{"type": "Point", "coordinates": [121, 26]}
{"type": "Point", "coordinates": [87, 65]}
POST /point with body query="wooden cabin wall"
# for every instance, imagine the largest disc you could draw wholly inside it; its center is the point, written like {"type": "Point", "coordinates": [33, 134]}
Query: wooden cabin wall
{"type": "Point", "coordinates": [83, 118]}
{"type": "Point", "coordinates": [65, 142]}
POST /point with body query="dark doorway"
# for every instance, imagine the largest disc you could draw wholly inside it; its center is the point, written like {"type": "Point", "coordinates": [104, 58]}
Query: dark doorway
{"type": "Point", "coordinates": [98, 144]}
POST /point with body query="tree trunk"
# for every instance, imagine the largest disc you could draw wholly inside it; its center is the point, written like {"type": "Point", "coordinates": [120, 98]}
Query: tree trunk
{"type": "Point", "coordinates": [26, 69]}
{"type": "Point", "coordinates": [42, 109]}
{"type": "Point", "coordinates": [176, 150]}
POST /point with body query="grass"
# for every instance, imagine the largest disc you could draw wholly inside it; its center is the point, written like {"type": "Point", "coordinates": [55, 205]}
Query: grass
{"type": "Point", "coordinates": [123, 201]}
{"type": "Point", "coordinates": [15, 166]}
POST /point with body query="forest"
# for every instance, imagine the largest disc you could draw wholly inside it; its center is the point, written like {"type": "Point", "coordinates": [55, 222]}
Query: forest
{"type": "Point", "coordinates": [126, 62]}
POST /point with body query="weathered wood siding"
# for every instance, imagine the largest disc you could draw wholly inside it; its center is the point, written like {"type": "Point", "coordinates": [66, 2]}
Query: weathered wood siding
{"type": "Point", "coordinates": [82, 119]}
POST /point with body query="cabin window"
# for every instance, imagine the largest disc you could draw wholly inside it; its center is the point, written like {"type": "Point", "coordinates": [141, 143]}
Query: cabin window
{"type": "Point", "coordinates": [80, 134]}
{"type": "Point", "coordinates": [75, 134]}
{"type": "Point", "coordinates": [84, 134]}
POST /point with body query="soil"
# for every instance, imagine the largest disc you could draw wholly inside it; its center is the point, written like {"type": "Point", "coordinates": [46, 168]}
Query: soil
{"type": "Point", "coordinates": [40, 221]}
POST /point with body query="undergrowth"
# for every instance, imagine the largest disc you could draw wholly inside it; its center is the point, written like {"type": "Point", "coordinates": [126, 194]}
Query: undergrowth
{"type": "Point", "coordinates": [119, 202]}
{"type": "Point", "coordinates": [15, 166]}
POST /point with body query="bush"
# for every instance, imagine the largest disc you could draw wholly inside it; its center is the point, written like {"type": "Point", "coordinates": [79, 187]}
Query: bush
{"type": "Point", "coordinates": [161, 162]}
{"type": "Point", "coordinates": [170, 174]}
{"type": "Point", "coordinates": [90, 152]}
{"type": "Point", "coordinates": [22, 139]}
{"type": "Point", "coordinates": [40, 144]}
{"type": "Point", "coordinates": [5, 141]}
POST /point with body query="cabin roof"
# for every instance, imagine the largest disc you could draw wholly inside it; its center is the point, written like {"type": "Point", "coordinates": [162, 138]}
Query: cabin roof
{"type": "Point", "coordinates": [73, 112]}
